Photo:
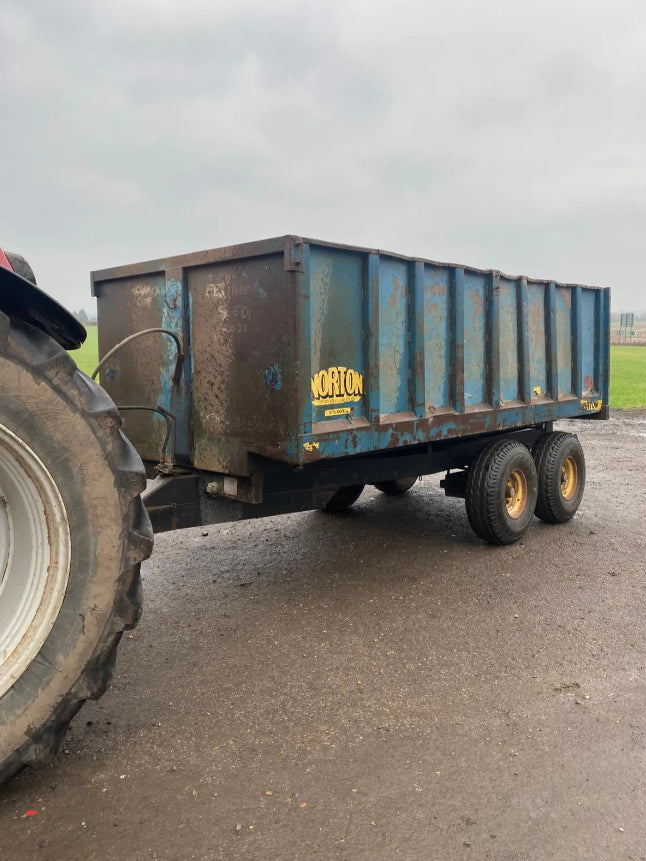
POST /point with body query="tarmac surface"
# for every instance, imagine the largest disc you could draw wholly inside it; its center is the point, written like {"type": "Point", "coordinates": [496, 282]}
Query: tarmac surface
{"type": "Point", "coordinates": [375, 685]}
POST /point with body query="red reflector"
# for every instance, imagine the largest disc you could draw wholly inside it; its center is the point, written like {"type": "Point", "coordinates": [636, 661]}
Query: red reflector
{"type": "Point", "coordinates": [4, 260]}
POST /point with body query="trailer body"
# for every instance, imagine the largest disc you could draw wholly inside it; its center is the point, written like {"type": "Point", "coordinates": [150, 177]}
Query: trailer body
{"type": "Point", "coordinates": [305, 354]}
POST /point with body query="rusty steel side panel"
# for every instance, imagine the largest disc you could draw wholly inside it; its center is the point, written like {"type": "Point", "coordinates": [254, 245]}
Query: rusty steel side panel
{"type": "Point", "coordinates": [234, 311]}
{"type": "Point", "coordinates": [244, 378]}
{"type": "Point", "coordinates": [451, 351]}
{"type": "Point", "coordinates": [448, 351]}
{"type": "Point", "coordinates": [136, 374]}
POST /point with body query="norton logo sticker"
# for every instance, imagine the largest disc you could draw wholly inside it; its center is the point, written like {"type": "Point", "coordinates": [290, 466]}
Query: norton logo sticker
{"type": "Point", "coordinates": [336, 386]}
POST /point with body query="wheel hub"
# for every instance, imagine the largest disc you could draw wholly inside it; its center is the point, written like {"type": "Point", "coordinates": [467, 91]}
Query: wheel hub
{"type": "Point", "coordinates": [568, 478]}
{"type": "Point", "coordinates": [35, 552]}
{"type": "Point", "coordinates": [516, 494]}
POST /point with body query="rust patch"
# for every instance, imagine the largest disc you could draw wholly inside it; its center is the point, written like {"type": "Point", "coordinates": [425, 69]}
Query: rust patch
{"type": "Point", "coordinates": [476, 298]}
{"type": "Point", "coordinates": [399, 290]}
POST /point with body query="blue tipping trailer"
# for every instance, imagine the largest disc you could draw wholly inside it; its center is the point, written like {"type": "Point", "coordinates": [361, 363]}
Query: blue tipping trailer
{"type": "Point", "coordinates": [309, 369]}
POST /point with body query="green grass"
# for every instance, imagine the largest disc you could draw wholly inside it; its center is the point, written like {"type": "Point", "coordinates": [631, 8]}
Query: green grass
{"type": "Point", "coordinates": [627, 377]}
{"type": "Point", "coordinates": [627, 370]}
{"type": "Point", "coordinates": [87, 357]}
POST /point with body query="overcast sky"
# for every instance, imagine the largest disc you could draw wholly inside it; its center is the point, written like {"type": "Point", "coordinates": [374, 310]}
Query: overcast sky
{"type": "Point", "coordinates": [505, 135]}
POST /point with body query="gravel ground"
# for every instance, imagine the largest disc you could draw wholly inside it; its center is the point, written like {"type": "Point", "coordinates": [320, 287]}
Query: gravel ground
{"type": "Point", "coordinates": [376, 685]}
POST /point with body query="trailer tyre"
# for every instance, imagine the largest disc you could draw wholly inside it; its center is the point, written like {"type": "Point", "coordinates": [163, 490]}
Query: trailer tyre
{"type": "Point", "coordinates": [73, 532]}
{"type": "Point", "coordinates": [501, 492]}
{"type": "Point", "coordinates": [560, 464]}
{"type": "Point", "coordinates": [344, 498]}
{"type": "Point", "coordinates": [395, 486]}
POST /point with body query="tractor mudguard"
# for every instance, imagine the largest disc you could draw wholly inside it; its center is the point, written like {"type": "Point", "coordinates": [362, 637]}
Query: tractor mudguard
{"type": "Point", "coordinates": [22, 300]}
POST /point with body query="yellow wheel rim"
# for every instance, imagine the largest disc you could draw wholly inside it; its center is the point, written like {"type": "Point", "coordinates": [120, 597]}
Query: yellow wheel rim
{"type": "Point", "coordinates": [516, 494]}
{"type": "Point", "coordinates": [569, 478]}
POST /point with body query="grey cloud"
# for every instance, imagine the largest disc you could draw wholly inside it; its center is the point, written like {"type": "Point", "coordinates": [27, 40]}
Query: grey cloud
{"type": "Point", "coordinates": [495, 134]}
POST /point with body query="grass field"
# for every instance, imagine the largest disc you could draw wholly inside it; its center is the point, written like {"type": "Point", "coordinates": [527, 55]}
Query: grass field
{"type": "Point", "coordinates": [627, 377]}
{"type": "Point", "coordinates": [627, 370]}
{"type": "Point", "coordinates": [87, 358]}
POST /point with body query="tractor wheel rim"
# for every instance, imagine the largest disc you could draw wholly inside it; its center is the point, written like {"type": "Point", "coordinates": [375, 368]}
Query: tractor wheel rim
{"type": "Point", "coordinates": [35, 552]}
{"type": "Point", "coordinates": [516, 494]}
{"type": "Point", "coordinates": [569, 478]}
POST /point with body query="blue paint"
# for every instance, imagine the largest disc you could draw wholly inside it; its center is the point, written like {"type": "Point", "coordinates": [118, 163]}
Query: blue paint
{"type": "Point", "coordinates": [364, 440]}
{"type": "Point", "coordinates": [586, 346]}
{"type": "Point", "coordinates": [274, 378]}
{"type": "Point", "coordinates": [260, 292]}
{"type": "Point", "coordinates": [510, 339]}
{"type": "Point", "coordinates": [171, 319]}
{"type": "Point", "coordinates": [335, 324]}
{"type": "Point", "coordinates": [436, 328]}
{"type": "Point", "coordinates": [475, 354]}
{"type": "Point", "coordinates": [173, 308]}
{"type": "Point", "coordinates": [393, 335]}
{"type": "Point", "coordinates": [304, 362]}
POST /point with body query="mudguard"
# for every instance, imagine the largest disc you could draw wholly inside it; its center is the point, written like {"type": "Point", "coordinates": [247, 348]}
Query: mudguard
{"type": "Point", "coordinates": [23, 300]}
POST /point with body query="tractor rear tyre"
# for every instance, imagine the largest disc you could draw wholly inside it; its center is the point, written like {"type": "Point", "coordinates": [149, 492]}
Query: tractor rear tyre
{"type": "Point", "coordinates": [73, 532]}
{"type": "Point", "coordinates": [501, 492]}
{"type": "Point", "coordinates": [20, 266]}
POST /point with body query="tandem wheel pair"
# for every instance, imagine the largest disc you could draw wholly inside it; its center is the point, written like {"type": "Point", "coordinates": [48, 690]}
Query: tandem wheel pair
{"type": "Point", "coordinates": [506, 485]}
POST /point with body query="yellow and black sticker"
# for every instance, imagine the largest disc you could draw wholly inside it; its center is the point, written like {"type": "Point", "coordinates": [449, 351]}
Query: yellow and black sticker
{"type": "Point", "coordinates": [591, 406]}
{"type": "Point", "coordinates": [339, 385]}
{"type": "Point", "coordinates": [339, 411]}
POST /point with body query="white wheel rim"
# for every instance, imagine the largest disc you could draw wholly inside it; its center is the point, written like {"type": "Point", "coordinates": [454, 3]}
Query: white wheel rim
{"type": "Point", "coordinates": [35, 552]}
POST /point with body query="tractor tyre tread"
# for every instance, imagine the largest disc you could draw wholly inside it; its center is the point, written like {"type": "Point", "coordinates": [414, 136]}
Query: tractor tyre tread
{"type": "Point", "coordinates": [46, 359]}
